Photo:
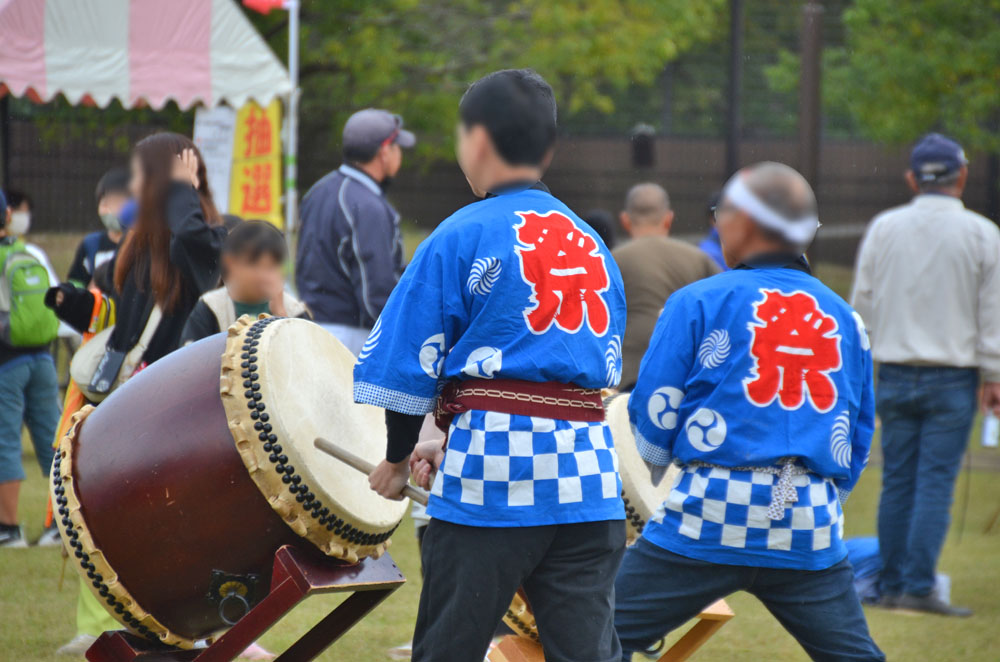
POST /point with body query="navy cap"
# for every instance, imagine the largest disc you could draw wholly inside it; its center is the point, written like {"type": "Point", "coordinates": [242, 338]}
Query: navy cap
{"type": "Point", "coordinates": [936, 157]}
{"type": "Point", "coordinates": [368, 129]}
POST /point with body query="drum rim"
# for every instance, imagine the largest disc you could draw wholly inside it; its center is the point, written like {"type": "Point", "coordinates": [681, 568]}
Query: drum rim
{"type": "Point", "coordinates": [245, 408]}
{"type": "Point", "coordinates": [520, 619]}
{"type": "Point", "coordinates": [102, 581]}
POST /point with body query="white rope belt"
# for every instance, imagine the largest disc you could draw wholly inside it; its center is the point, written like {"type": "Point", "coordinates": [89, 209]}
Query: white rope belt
{"type": "Point", "coordinates": [783, 493]}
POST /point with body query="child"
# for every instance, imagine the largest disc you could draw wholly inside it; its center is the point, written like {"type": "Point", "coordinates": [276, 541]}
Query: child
{"type": "Point", "coordinates": [98, 247]}
{"type": "Point", "coordinates": [253, 254]}
{"type": "Point", "coordinates": [758, 383]}
{"type": "Point", "coordinates": [29, 388]}
{"type": "Point", "coordinates": [514, 296]}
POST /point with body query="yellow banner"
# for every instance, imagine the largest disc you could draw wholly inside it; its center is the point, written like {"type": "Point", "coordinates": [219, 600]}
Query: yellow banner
{"type": "Point", "coordinates": [255, 183]}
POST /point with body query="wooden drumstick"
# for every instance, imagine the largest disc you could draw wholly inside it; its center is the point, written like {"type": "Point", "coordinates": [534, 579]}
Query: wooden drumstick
{"type": "Point", "coordinates": [364, 466]}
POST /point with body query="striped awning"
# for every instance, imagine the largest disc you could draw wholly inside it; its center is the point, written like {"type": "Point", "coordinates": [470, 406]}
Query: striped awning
{"type": "Point", "coordinates": [141, 52]}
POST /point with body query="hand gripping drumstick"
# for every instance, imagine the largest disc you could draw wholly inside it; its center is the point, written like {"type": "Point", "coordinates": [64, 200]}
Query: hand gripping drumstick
{"type": "Point", "coordinates": [364, 466]}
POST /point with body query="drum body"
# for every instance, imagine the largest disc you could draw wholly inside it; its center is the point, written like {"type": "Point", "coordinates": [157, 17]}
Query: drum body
{"type": "Point", "coordinates": [641, 495]}
{"type": "Point", "coordinates": [173, 512]}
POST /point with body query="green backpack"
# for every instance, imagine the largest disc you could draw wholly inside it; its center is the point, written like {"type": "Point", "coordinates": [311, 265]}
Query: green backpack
{"type": "Point", "coordinates": [25, 321]}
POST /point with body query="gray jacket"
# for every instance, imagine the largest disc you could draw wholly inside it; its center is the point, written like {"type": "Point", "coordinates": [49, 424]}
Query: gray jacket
{"type": "Point", "coordinates": [350, 253]}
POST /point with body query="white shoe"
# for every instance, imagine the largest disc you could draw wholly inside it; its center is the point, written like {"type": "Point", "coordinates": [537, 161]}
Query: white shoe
{"type": "Point", "coordinates": [50, 538]}
{"type": "Point", "coordinates": [78, 645]}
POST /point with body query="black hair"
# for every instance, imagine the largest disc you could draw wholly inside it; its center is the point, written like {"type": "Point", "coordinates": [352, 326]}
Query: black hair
{"type": "Point", "coordinates": [16, 198]}
{"type": "Point", "coordinates": [230, 221]}
{"type": "Point", "coordinates": [603, 224]}
{"type": "Point", "coordinates": [113, 181]}
{"type": "Point", "coordinates": [355, 154]}
{"type": "Point", "coordinates": [253, 239]}
{"type": "Point", "coordinates": [518, 110]}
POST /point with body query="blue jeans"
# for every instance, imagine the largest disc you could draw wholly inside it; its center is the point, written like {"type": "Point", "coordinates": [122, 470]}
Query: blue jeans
{"type": "Point", "coordinates": [658, 591]}
{"type": "Point", "coordinates": [29, 394]}
{"type": "Point", "coordinates": [926, 413]}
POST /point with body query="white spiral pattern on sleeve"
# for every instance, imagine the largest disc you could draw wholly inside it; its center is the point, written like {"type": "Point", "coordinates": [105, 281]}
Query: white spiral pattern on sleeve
{"type": "Point", "coordinates": [714, 349]}
{"type": "Point", "coordinates": [483, 275]}
{"type": "Point", "coordinates": [613, 361]}
{"type": "Point", "coordinates": [840, 440]}
{"type": "Point", "coordinates": [372, 341]}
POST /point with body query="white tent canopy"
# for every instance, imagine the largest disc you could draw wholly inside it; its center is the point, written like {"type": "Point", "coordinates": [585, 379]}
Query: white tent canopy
{"type": "Point", "coordinates": [141, 52]}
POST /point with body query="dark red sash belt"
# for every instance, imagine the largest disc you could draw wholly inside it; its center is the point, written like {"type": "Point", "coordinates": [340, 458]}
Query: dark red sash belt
{"type": "Point", "coordinates": [512, 396]}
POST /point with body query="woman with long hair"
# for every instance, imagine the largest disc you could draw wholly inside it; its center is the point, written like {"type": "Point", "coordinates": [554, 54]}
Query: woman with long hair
{"type": "Point", "coordinates": [168, 259]}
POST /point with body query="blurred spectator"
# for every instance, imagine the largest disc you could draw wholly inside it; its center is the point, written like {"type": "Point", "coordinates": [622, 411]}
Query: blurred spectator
{"type": "Point", "coordinates": [29, 388]}
{"type": "Point", "coordinates": [928, 286]}
{"type": "Point", "coordinates": [99, 247]}
{"type": "Point", "coordinates": [653, 266]}
{"type": "Point", "coordinates": [350, 252]}
{"type": "Point", "coordinates": [711, 245]}
{"type": "Point", "coordinates": [253, 256]}
{"type": "Point", "coordinates": [230, 221]}
{"type": "Point", "coordinates": [604, 224]}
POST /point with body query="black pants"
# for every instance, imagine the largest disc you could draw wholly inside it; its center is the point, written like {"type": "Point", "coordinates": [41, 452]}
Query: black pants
{"type": "Point", "coordinates": [471, 573]}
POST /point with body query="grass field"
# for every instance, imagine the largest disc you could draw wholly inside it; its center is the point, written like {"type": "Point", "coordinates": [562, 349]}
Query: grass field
{"type": "Point", "coordinates": [36, 615]}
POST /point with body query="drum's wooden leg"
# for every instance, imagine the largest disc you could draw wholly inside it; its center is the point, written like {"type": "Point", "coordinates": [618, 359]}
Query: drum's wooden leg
{"type": "Point", "coordinates": [709, 621]}
{"type": "Point", "coordinates": [516, 649]}
{"type": "Point", "coordinates": [297, 575]}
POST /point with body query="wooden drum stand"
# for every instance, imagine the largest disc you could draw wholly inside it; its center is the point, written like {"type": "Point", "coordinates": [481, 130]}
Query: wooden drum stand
{"type": "Point", "coordinates": [297, 575]}
{"type": "Point", "coordinates": [521, 649]}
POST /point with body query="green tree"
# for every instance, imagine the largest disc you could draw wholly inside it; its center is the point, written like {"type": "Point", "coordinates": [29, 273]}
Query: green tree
{"type": "Point", "coordinates": [416, 57]}
{"type": "Point", "coordinates": [911, 67]}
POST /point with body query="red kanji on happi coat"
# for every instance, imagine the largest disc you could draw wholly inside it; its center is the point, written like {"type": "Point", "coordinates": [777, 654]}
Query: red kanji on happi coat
{"type": "Point", "coordinates": [795, 346]}
{"type": "Point", "coordinates": [566, 271]}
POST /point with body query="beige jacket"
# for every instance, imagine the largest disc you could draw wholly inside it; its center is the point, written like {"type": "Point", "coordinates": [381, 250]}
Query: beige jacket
{"type": "Point", "coordinates": [928, 286]}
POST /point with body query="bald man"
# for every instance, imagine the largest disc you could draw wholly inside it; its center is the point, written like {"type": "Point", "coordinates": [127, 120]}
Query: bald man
{"type": "Point", "coordinates": [758, 384]}
{"type": "Point", "coordinates": [653, 266]}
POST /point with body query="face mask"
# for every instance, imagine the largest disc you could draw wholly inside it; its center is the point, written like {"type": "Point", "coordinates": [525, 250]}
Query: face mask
{"type": "Point", "coordinates": [111, 222]}
{"type": "Point", "coordinates": [20, 221]}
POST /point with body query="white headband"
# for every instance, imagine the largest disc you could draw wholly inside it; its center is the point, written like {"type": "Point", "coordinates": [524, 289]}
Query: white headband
{"type": "Point", "coordinates": [798, 231]}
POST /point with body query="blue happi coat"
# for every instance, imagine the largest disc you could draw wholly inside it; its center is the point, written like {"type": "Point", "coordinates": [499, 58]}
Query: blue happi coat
{"type": "Point", "coordinates": [515, 286]}
{"type": "Point", "coordinates": [745, 370]}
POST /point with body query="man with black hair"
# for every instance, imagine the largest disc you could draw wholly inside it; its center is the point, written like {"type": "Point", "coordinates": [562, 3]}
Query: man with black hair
{"type": "Point", "coordinates": [508, 322]}
{"type": "Point", "coordinates": [928, 285]}
{"type": "Point", "coordinates": [350, 252]}
{"type": "Point", "coordinates": [111, 194]}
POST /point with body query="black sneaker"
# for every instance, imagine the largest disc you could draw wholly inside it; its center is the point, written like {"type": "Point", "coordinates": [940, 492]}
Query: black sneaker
{"type": "Point", "coordinates": [12, 537]}
{"type": "Point", "coordinates": [886, 602]}
{"type": "Point", "coordinates": [930, 604]}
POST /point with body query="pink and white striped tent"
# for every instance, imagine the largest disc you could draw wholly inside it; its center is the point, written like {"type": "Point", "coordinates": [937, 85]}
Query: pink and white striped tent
{"type": "Point", "coordinates": [141, 52]}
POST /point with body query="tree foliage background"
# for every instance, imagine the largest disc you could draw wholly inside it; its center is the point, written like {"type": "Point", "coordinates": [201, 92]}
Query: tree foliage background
{"type": "Point", "coordinates": [417, 57]}
{"type": "Point", "coordinates": [907, 68]}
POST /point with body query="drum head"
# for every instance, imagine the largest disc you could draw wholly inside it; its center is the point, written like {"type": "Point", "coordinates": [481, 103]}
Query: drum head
{"type": "Point", "coordinates": [642, 497]}
{"type": "Point", "coordinates": [284, 383]}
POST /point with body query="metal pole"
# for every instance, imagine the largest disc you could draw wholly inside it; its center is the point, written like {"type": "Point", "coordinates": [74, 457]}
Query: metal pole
{"type": "Point", "coordinates": [292, 120]}
{"type": "Point", "coordinates": [809, 91]}
{"type": "Point", "coordinates": [734, 121]}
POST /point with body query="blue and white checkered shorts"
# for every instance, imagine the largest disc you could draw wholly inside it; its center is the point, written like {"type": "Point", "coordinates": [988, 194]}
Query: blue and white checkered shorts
{"type": "Point", "coordinates": [509, 470]}
{"type": "Point", "coordinates": [729, 508]}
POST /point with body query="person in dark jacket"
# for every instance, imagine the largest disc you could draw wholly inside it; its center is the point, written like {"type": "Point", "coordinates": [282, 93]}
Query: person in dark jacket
{"type": "Point", "coordinates": [252, 259]}
{"type": "Point", "coordinates": [99, 247]}
{"type": "Point", "coordinates": [350, 254]}
{"type": "Point", "coordinates": [169, 259]}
